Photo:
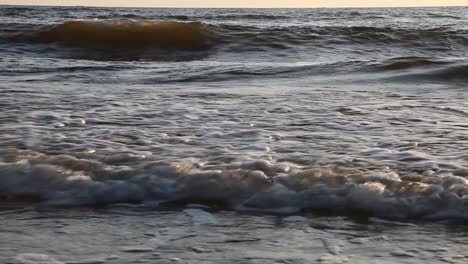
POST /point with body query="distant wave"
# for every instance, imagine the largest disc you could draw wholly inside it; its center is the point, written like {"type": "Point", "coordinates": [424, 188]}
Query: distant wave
{"type": "Point", "coordinates": [249, 17]}
{"type": "Point", "coordinates": [126, 34]}
{"type": "Point", "coordinates": [225, 17]}
{"type": "Point", "coordinates": [292, 37]}
{"type": "Point", "coordinates": [193, 35]}
{"type": "Point", "coordinates": [404, 63]}
{"type": "Point", "coordinates": [141, 39]}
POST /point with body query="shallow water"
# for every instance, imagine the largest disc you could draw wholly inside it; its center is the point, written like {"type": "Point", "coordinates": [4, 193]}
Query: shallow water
{"type": "Point", "coordinates": [350, 121]}
{"type": "Point", "coordinates": [121, 234]}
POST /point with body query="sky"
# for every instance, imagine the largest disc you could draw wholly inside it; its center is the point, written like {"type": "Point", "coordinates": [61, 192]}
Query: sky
{"type": "Point", "coordinates": [241, 3]}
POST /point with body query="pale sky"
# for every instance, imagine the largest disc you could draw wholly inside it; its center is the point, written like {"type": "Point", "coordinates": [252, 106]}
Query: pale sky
{"type": "Point", "coordinates": [242, 3]}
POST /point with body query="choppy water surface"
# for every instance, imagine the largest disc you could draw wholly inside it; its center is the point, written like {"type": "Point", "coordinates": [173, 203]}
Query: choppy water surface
{"type": "Point", "coordinates": [343, 112]}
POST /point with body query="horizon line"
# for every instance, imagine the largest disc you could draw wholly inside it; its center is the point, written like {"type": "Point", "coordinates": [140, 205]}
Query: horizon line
{"type": "Point", "coordinates": [191, 7]}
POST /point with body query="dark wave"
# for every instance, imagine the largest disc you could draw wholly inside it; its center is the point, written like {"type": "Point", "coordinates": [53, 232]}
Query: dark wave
{"type": "Point", "coordinates": [344, 35]}
{"type": "Point", "coordinates": [179, 17]}
{"type": "Point", "coordinates": [132, 32]}
{"type": "Point", "coordinates": [405, 63]}
{"type": "Point", "coordinates": [137, 37]}
{"type": "Point", "coordinates": [453, 73]}
{"type": "Point", "coordinates": [417, 69]}
{"type": "Point", "coordinates": [438, 15]}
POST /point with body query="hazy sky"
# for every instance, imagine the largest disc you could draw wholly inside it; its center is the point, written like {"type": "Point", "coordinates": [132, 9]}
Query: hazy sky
{"type": "Point", "coordinates": [242, 3]}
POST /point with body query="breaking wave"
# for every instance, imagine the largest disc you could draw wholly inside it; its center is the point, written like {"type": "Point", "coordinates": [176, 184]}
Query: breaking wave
{"type": "Point", "coordinates": [199, 35]}
{"type": "Point", "coordinates": [126, 34]}
{"type": "Point", "coordinates": [29, 176]}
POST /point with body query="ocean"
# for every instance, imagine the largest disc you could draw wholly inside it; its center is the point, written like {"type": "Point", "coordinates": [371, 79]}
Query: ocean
{"type": "Point", "coordinates": [138, 135]}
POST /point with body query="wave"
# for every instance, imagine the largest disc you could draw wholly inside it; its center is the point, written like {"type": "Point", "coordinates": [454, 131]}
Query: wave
{"type": "Point", "coordinates": [454, 73]}
{"type": "Point", "coordinates": [442, 15]}
{"type": "Point", "coordinates": [420, 69]}
{"type": "Point", "coordinates": [404, 63]}
{"type": "Point", "coordinates": [203, 18]}
{"type": "Point", "coordinates": [248, 17]}
{"type": "Point", "coordinates": [178, 17]}
{"type": "Point", "coordinates": [400, 35]}
{"type": "Point", "coordinates": [126, 34]}
{"type": "Point", "coordinates": [144, 39]}
{"type": "Point", "coordinates": [195, 35]}
{"type": "Point", "coordinates": [32, 177]}
{"type": "Point", "coordinates": [251, 38]}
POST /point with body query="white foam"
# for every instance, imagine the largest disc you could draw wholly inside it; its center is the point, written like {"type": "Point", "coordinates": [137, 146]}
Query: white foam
{"type": "Point", "coordinates": [33, 258]}
{"type": "Point", "coordinates": [332, 246]}
{"type": "Point", "coordinates": [254, 186]}
{"type": "Point", "coordinates": [200, 217]}
{"type": "Point", "coordinates": [157, 241]}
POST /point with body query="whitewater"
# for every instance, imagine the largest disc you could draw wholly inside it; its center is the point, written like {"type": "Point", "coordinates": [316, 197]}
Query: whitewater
{"type": "Point", "coordinates": [233, 135]}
